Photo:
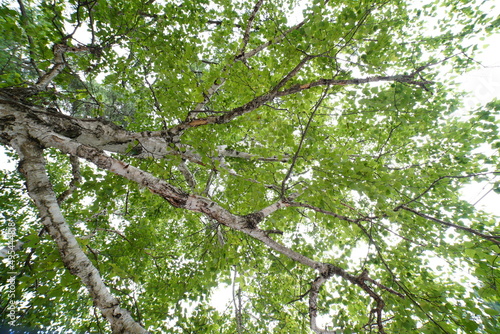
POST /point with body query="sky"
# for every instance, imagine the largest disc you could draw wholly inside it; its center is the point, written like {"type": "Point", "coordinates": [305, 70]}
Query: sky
{"type": "Point", "coordinates": [483, 85]}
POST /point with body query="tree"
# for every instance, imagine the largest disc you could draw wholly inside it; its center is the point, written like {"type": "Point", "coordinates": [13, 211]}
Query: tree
{"type": "Point", "coordinates": [306, 155]}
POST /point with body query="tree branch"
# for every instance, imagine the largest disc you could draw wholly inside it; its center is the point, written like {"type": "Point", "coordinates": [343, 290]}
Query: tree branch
{"type": "Point", "coordinates": [32, 165]}
{"type": "Point", "coordinates": [302, 138]}
{"type": "Point", "coordinates": [243, 155]}
{"type": "Point", "coordinates": [431, 186]}
{"type": "Point", "coordinates": [24, 23]}
{"type": "Point", "coordinates": [492, 238]}
{"type": "Point", "coordinates": [178, 198]}
{"type": "Point", "coordinates": [409, 79]}
{"type": "Point", "coordinates": [261, 47]}
{"type": "Point", "coordinates": [242, 56]}
{"type": "Point", "coordinates": [59, 64]}
{"type": "Point", "coordinates": [259, 101]}
{"type": "Point", "coordinates": [246, 35]}
{"type": "Point", "coordinates": [75, 181]}
{"type": "Point", "coordinates": [329, 213]}
{"type": "Point", "coordinates": [187, 174]}
{"type": "Point", "coordinates": [313, 305]}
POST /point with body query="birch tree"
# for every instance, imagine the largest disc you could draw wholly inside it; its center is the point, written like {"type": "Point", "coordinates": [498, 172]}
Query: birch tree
{"type": "Point", "coordinates": [300, 162]}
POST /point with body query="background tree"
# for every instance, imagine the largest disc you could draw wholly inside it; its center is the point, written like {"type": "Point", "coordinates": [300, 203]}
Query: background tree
{"type": "Point", "coordinates": [307, 155]}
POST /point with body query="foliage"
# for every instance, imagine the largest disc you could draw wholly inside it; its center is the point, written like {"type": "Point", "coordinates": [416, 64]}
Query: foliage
{"type": "Point", "coordinates": [342, 111]}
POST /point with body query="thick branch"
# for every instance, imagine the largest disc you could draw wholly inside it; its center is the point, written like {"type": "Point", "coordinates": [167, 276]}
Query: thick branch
{"type": "Point", "coordinates": [246, 35]}
{"type": "Point", "coordinates": [97, 132]}
{"type": "Point", "coordinates": [107, 136]}
{"type": "Point", "coordinates": [59, 64]}
{"type": "Point", "coordinates": [75, 181]}
{"type": "Point", "coordinates": [259, 101]}
{"type": "Point", "coordinates": [32, 165]}
{"type": "Point", "coordinates": [409, 79]}
{"type": "Point", "coordinates": [178, 198]}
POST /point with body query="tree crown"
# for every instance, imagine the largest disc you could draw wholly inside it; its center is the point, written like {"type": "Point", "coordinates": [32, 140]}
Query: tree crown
{"type": "Point", "coordinates": [307, 156]}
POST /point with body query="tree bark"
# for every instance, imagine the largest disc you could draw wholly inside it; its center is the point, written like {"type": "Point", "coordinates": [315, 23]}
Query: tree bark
{"type": "Point", "coordinates": [32, 166]}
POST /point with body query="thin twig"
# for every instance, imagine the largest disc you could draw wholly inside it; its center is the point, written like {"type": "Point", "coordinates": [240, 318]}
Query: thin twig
{"type": "Point", "coordinates": [492, 238]}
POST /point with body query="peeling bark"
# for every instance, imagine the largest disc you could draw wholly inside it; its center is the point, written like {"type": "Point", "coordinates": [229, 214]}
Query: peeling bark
{"type": "Point", "coordinates": [32, 166]}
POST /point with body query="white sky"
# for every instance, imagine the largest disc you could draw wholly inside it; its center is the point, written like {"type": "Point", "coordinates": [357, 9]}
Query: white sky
{"type": "Point", "coordinates": [484, 85]}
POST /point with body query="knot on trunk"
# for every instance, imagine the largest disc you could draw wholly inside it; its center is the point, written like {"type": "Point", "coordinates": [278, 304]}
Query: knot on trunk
{"type": "Point", "coordinates": [253, 219]}
{"type": "Point", "coordinates": [329, 270]}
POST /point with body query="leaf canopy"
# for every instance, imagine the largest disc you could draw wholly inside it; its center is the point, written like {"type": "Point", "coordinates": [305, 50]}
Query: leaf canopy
{"type": "Point", "coordinates": [300, 162]}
